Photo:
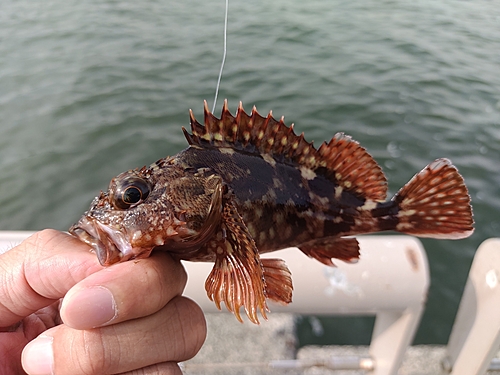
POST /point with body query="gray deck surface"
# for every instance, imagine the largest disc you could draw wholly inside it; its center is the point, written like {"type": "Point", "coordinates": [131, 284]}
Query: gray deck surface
{"type": "Point", "coordinates": [246, 349]}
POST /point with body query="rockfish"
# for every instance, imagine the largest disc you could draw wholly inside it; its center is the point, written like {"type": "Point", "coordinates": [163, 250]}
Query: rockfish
{"type": "Point", "coordinates": [248, 185]}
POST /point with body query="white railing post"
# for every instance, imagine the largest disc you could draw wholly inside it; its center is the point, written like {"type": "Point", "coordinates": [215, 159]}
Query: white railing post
{"type": "Point", "coordinates": [475, 337]}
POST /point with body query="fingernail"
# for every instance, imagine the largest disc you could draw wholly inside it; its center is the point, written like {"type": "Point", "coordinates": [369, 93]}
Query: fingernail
{"type": "Point", "coordinates": [38, 357]}
{"type": "Point", "coordinates": [89, 308]}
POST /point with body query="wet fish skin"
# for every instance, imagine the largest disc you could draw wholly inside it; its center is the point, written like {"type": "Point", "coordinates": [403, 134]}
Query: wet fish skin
{"type": "Point", "coordinates": [247, 185]}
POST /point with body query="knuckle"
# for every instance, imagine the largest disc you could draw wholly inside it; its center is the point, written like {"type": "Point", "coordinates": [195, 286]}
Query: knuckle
{"type": "Point", "coordinates": [84, 353]}
{"type": "Point", "coordinates": [166, 368]}
{"type": "Point", "coordinates": [168, 284]}
{"type": "Point", "coordinates": [39, 240]}
{"type": "Point", "coordinates": [192, 319]}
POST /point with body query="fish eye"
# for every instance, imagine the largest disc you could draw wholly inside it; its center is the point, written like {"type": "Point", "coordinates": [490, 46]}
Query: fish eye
{"type": "Point", "coordinates": [132, 195]}
{"type": "Point", "coordinates": [130, 192]}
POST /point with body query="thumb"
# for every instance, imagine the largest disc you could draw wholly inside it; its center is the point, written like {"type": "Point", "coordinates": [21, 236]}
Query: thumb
{"type": "Point", "coordinates": [40, 271]}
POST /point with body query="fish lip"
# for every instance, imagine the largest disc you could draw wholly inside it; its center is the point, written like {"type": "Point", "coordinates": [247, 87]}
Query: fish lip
{"type": "Point", "coordinates": [109, 244]}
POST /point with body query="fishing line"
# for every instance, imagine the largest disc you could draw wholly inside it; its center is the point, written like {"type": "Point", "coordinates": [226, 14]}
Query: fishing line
{"type": "Point", "coordinates": [223, 58]}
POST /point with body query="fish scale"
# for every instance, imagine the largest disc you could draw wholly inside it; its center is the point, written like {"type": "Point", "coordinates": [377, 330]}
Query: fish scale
{"type": "Point", "coordinates": [247, 185]}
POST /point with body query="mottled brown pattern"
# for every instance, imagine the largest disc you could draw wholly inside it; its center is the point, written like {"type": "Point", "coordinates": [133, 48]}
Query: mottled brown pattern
{"type": "Point", "coordinates": [248, 184]}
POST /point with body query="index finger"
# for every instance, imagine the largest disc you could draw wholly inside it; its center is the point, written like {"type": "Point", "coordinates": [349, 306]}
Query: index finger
{"type": "Point", "coordinates": [40, 271]}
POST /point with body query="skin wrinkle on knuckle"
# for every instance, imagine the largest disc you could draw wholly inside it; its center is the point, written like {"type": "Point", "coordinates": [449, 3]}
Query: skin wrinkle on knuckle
{"type": "Point", "coordinates": [35, 264]}
{"type": "Point", "coordinates": [198, 327]}
{"type": "Point", "coordinates": [162, 289]}
{"type": "Point", "coordinates": [17, 294]}
{"type": "Point", "coordinates": [179, 277]}
{"type": "Point", "coordinates": [191, 336]}
{"type": "Point", "coordinates": [166, 337]}
{"type": "Point", "coordinates": [9, 298]}
{"type": "Point", "coordinates": [180, 346]}
{"type": "Point", "coordinates": [86, 352]}
{"type": "Point", "coordinates": [167, 285]}
{"type": "Point", "coordinates": [165, 368]}
{"type": "Point", "coordinates": [113, 348]}
{"type": "Point", "coordinates": [46, 251]}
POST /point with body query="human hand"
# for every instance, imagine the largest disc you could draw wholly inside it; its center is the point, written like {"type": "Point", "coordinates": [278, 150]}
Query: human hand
{"type": "Point", "coordinates": [68, 315]}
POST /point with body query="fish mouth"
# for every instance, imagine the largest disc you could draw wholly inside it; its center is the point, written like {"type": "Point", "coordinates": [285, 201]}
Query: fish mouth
{"type": "Point", "coordinates": [110, 245]}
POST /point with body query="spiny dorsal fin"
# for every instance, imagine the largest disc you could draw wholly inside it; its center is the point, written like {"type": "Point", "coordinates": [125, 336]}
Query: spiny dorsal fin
{"type": "Point", "coordinates": [342, 159]}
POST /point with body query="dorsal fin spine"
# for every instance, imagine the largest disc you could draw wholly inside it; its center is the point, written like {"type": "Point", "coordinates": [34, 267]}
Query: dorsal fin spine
{"type": "Point", "coordinates": [344, 161]}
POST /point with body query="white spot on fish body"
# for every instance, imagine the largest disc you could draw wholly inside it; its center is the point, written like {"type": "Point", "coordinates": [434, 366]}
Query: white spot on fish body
{"type": "Point", "coordinates": [338, 192]}
{"type": "Point", "coordinates": [159, 241]}
{"type": "Point", "coordinates": [307, 173]}
{"type": "Point", "coordinates": [171, 231]}
{"type": "Point", "coordinates": [137, 235]}
{"type": "Point", "coordinates": [226, 150]}
{"type": "Point", "coordinates": [269, 159]}
{"type": "Point", "coordinates": [401, 227]}
{"type": "Point", "coordinates": [251, 229]}
{"type": "Point", "coordinates": [262, 237]}
{"type": "Point", "coordinates": [278, 218]}
{"type": "Point", "coordinates": [369, 205]}
{"type": "Point", "coordinates": [403, 213]}
{"type": "Point", "coordinates": [270, 195]}
{"type": "Point", "coordinates": [277, 183]}
{"type": "Point", "coordinates": [316, 198]}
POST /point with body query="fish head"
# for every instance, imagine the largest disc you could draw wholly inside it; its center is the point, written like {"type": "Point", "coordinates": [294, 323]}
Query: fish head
{"type": "Point", "coordinates": [130, 219]}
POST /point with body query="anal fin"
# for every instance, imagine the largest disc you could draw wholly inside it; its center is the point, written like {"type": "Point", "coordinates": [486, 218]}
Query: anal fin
{"type": "Point", "coordinates": [278, 279]}
{"type": "Point", "coordinates": [324, 249]}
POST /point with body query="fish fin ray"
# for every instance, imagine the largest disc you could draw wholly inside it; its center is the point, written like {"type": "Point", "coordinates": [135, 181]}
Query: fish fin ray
{"type": "Point", "coordinates": [278, 278]}
{"type": "Point", "coordinates": [353, 168]}
{"type": "Point", "coordinates": [435, 203]}
{"type": "Point", "coordinates": [324, 249]}
{"type": "Point", "coordinates": [237, 278]}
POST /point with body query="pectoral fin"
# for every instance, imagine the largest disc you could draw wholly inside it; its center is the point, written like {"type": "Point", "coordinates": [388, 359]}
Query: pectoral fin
{"type": "Point", "coordinates": [239, 276]}
{"type": "Point", "coordinates": [324, 249]}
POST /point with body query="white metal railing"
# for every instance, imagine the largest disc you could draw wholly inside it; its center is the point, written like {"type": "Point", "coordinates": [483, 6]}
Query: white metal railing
{"type": "Point", "coordinates": [475, 337]}
{"type": "Point", "coordinates": [390, 281]}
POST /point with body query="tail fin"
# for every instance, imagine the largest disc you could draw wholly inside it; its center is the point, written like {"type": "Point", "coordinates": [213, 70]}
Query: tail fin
{"type": "Point", "coordinates": [435, 203]}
